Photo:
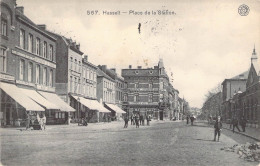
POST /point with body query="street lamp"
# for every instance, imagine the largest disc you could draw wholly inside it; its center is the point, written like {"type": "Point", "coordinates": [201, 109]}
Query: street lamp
{"type": "Point", "coordinates": [78, 99]}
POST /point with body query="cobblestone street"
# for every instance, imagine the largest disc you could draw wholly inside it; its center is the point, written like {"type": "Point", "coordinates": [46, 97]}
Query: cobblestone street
{"type": "Point", "coordinates": [162, 143]}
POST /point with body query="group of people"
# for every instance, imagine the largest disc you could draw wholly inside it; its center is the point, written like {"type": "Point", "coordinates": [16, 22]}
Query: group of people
{"type": "Point", "coordinates": [137, 119]}
{"type": "Point", "coordinates": [41, 121]}
{"type": "Point", "coordinates": [191, 118]}
{"type": "Point", "coordinates": [235, 123]}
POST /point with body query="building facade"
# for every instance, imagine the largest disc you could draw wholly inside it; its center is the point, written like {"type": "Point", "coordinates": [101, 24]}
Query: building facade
{"type": "Point", "coordinates": [229, 87]}
{"type": "Point", "coordinates": [28, 60]}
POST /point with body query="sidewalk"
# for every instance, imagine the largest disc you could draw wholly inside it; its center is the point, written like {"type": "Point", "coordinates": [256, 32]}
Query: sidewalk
{"type": "Point", "coordinates": [253, 133]}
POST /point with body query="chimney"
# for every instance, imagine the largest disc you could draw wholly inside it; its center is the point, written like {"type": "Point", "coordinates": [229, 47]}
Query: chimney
{"type": "Point", "coordinates": [86, 57]}
{"type": "Point", "coordinates": [42, 26]}
{"type": "Point", "coordinates": [113, 69]}
{"type": "Point", "coordinates": [139, 67]}
{"type": "Point", "coordinates": [130, 66]}
{"type": "Point", "coordinates": [20, 8]}
{"type": "Point", "coordinates": [78, 46]}
{"type": "Point", "coordinates": [241, 76]}
{"type": "Point", "coordinates": [104, 68]}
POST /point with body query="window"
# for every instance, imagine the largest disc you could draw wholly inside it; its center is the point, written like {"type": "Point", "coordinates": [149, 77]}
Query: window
{"type": "Point", "coordinates": [125, 97]}
{"type": "Point", "coordinates": [136, 97]}
{"type": "Point", "coordinates": [38, 41]}
{"type": "Point", "coordinates": [22, 38]}
{"type": "Point", "coordinates": [3, 27]}
{"type": "Point", "coordinates": [30, 43]}
{"type": "Point", "coordinates": [150, 99]}
{"type": "Point", "coordinates": [83, 71]}
{"type": "Point", "coordinates": [51, 78]}
{"type": "Point", "coordinates": [150, 85]}
{"type": "Point", "coordinates": [71, 63]}
{"type": "Point", "coordinates": [21, 75]}
{"type": "Point", "coordinates": [51, 52]}
{"type": "Point", "coordinates": [30, 72]}
{"type": "Point", "coordinates": [44, 76]}
{"type": "Point", "coordinates": [95, 77]}
{"type": "Point", "coordinates": [75, 67]}
{"type": "Point", "coordinates": [3, 59]}
{"type": "Point", "coordinates": [37, 74]}
{"type": "Point", "coordinates": [90, 76]}
{"type": "Point", "coordinates": [44, 49]}
{"type": "Point", "coordinates": [79, 67]}
{"type": "Point", "coordinates": [71, 81]}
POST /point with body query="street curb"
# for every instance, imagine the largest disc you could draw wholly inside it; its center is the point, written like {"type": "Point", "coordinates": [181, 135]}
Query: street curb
{"type": "Point", "coordinates": [243, 134]}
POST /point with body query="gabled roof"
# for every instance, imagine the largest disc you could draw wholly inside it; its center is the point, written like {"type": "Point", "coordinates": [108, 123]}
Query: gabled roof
{"type": "Point", "coordinates": [100, 73]}
{"type": "Point", "coordinates": [243, 75]}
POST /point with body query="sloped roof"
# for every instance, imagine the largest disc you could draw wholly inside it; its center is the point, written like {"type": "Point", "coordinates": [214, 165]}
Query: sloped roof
{"type": "Point", "coordinates": [100, 73]}
{"type": "Point", "coordinates": [243, 75]}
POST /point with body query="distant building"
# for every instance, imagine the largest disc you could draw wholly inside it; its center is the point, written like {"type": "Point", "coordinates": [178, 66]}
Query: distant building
{"type": "Point", "coordinates": [119, 87]}
{"type": "Point", "coordinates": [229, 87]}
{"type": "Point", "coordinates": [246, 103]}
{"type": "Point", "coordinates": [149, 92]}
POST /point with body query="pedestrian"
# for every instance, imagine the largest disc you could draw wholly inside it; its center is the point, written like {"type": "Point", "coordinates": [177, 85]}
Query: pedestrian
{"type": "Point", "coordinates": [131, 118]}
{"type": "Point", "coordinates": [187, 118]}
{"type": "Point", "coordinates": [28, 119]}
{"type": "Point", "coordinates": [43, 121]}
{"type": "Point", "coordinates": [141, 119]}
{"type": "Point", "coordinates": [126, 121]}
{"type": "Point", "coordinates": [235, 124]}
{"type": "Point", "coordinates": [243, 123]}
{"type": "Point", "coordinates": [192, 119]}
{"type": "Point", "coordinates": [218, 128]}
{"type": "Point", "coordinates": [137, 121]}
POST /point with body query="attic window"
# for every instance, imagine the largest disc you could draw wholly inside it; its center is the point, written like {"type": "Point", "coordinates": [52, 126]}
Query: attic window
{"type": "Point", "coordinates": [136, 72]}
{"type": "Point", "coordinates": [151, 72]}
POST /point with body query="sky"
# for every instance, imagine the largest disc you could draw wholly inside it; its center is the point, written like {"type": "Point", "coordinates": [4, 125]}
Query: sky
{"type": "Point", "coordinates": [201, 43]}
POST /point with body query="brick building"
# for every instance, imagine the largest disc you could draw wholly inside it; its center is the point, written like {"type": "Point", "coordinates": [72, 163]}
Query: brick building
{"type": "Point", "coordinates": [229, 87]}
{"type": "Point", "coordinates": [28, 60]}
{"type": "Point", "coordinates": [149, 92]}
{"type": "Point", "coordinates": [246, 103]}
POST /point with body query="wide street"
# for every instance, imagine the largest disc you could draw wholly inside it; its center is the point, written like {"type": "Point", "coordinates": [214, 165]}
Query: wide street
{"type": "Point", "coordinates": [162, 143]}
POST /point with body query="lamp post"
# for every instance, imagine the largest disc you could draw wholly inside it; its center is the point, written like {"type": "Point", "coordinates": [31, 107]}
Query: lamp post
{"type": "Point", "coordinates": [78, 99]}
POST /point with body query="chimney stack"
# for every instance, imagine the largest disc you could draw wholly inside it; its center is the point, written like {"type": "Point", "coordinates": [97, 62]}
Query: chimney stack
{"type": "Point", "coordinates": [42, 26]}
{"type": "Point", "coordinates": [130, 66]}
{"type": "Point", "coordinates": [20, 8]}
{"type": "Point", "coordinates": [113, 69]}
{"type": "Point", "coordinates": [104, 68]}
{"type": "Point", "coordinates": [86, 57]}
{"type": "Point", "coordinates": [78, 46]}
{"type": "Point", "coordinates": [139, 67]}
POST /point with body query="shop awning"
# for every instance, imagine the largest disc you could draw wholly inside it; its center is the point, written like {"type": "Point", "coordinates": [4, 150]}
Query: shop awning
{"type": "Point", "coordinates": [115, 108]}
{"type": "Point", "coordinates": [14, 92]}
{"type": "Point", "coordinates": [91, 104]}
{"type": "Point", "coordinates": [52, 97]}
{"type": "Point", "coordinates": [39, 98]}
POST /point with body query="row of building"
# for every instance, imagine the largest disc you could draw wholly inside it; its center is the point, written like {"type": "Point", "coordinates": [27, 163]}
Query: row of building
{"type": "Point", "coordinates": [44, 72]}
{"type": "Point", "coordinates": [240, 96]}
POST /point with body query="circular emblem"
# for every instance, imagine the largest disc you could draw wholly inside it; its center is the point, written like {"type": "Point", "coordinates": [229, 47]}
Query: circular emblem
{"type": "Point", "coordinates": [243, 10]}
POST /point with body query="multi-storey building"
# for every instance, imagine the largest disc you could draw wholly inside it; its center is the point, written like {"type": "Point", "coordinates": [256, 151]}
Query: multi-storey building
{"type": "Point", "coordinates": [229, 87]}
{"type": "Point", "coordinates": [149, 91]}
{"type": "Point", "coordinates": [106, 91]}
{"type": "Point", "coordinates": [246, 104]}
{"type": "Point", "coordinates": [29, 61]}
{"type": "Point", "coordinates": [142, 92]}
{"type": "Point", "coordinates": [119, 85]}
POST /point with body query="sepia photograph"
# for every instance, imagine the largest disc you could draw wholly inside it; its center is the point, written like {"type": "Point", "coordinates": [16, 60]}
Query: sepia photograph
{"type": "Point", "coordinates": [120, 82]}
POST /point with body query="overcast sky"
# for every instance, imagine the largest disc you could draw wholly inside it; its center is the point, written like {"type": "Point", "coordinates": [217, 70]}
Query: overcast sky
{"type": "Point", "coordinates": [202, 44]}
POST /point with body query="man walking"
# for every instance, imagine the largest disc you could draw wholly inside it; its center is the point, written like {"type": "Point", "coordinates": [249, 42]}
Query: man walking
{"type": "Point", "coordinates": [235, 124]}
{"type": "Point", "coordinates": [28, 119]}
{"type": "Point", "coordinates": [137, 121]}
{"type": "Point", "coordinates": [187, 118]}
{"type": "Point", "coordinates": [192, 119]}
{"type": "Point", "coordinates": [243, 123]}
{"type": "Point", "coordinates": [126, 121]}
{"type": "Point", "coordinates": [218, 128]}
